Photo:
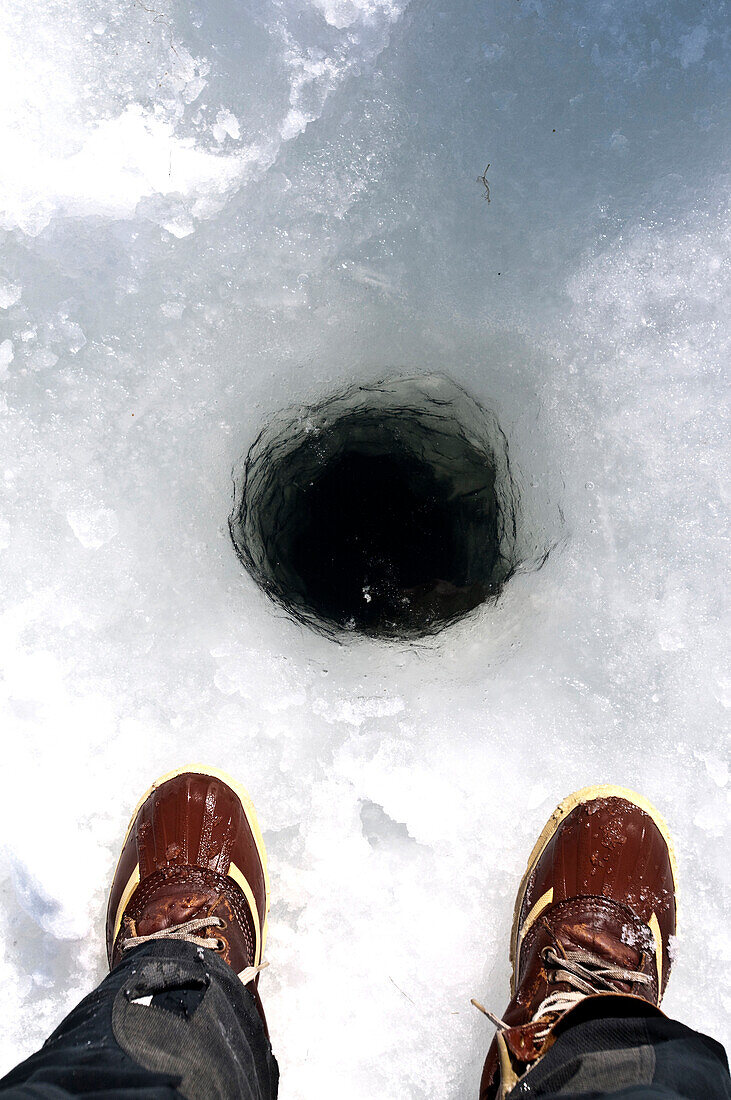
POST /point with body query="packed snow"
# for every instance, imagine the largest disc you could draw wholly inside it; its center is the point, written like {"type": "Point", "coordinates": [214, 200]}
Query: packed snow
{"type": "Point", "coordinates": [214, 211]}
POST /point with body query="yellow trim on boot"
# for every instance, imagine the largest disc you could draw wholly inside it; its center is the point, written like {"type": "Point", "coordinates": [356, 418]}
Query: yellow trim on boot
{"type": "Point", "coordinates": [132, 884]}
{"type": "Point", "coordinates": [241, 882]}
{"type": "Point", "coordinates": [654, 926]}
{"type": "Point", "coordinates": [536, 911]}
{"type": "Point", "coordinates": [508, 1077]}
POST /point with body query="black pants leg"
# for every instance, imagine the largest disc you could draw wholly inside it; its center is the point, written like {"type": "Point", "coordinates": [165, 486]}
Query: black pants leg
{"type": "Point", "coordinates": [171, 1021]}
{"type": "Point", "coordinates": [174, 1021]}
{"type": "Point", "coordinates": [615, 1047]}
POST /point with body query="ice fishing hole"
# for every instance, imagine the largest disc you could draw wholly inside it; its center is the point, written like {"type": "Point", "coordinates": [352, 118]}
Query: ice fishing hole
{"type": "Point", "coordinates": [388, 509]}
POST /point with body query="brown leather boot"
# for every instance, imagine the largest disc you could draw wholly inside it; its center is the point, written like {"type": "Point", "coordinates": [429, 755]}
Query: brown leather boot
{"type": "Point", "coordinates": [594, 914]}
{"type": "Point", "coordinates": [193, 867]}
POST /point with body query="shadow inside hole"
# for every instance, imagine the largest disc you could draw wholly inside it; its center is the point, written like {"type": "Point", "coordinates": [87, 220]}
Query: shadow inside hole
{"type": "Point", "coordinates": [388, 509]}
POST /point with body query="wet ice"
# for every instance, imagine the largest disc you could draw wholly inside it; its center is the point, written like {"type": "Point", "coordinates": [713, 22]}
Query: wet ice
{"type": "Point", "coordinates": [245, 208]}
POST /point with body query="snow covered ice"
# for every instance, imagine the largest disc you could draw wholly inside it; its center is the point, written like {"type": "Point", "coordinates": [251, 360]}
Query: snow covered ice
{"type": "Point", "coordinates": [213, 211]}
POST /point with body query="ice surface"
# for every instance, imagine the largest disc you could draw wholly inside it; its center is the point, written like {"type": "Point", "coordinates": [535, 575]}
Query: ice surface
{"type": "Point", "coordinates": [214, 210]}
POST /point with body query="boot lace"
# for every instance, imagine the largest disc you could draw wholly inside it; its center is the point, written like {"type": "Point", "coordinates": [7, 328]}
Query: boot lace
{"type": "Point", "coordinates": [188, 931]}
{"type": "Point", "coordinates": [585, 972]}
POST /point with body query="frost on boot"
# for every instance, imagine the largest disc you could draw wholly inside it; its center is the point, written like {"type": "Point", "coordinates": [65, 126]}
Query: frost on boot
{"type": "Point", "coordinates": [594, 915]}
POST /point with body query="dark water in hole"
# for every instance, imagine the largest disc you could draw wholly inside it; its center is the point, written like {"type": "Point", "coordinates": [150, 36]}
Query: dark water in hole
{"type": "Point", "coordinates": [382, 539]}
{"type": "Point", "coordinates": [388, 513]}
